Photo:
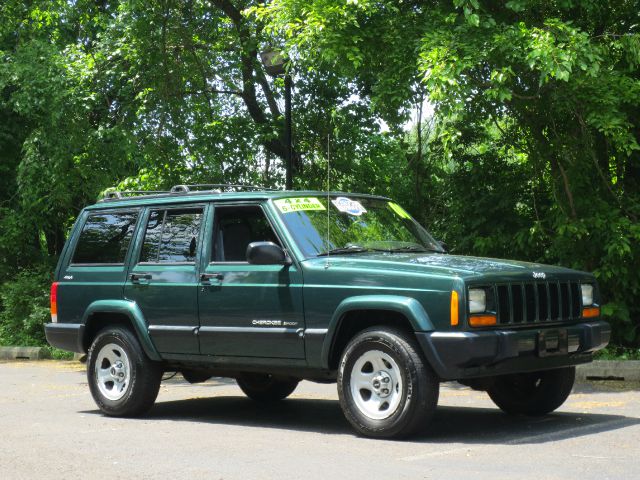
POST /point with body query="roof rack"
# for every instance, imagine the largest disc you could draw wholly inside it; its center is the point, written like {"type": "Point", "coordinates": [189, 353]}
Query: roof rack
{"type": "Point", "coordinates": [116, 194]}
{"type": "Point", "coordinates": [183, 190]}
{"type": "Point", "coordinates": [217, 186]}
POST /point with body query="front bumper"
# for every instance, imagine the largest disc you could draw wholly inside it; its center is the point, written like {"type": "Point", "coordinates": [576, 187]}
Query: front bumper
{"type": "Point", "coordinates": [460, 355]}
{"type": "Point", "coordinates": [67, 336]}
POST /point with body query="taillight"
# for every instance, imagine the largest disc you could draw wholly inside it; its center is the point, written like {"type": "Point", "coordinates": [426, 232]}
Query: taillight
{"type": "Point", "coordinates": [54, 302]}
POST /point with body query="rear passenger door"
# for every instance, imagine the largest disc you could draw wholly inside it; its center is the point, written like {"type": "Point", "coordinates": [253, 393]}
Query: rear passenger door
{"type": "Point", "coordinates": [248, 310]}
{"type": "Point", "coordinates": [164, 277]}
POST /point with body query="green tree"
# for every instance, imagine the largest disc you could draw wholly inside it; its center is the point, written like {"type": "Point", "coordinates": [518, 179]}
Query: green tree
{"type": "Point", "coordinates": [148, 95]}
{"type": "Point", "coordinates": [536, 112]}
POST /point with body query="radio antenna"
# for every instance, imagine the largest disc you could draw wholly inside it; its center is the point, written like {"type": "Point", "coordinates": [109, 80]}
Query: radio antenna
{"type": "Point", "coordinates": [326, 265]}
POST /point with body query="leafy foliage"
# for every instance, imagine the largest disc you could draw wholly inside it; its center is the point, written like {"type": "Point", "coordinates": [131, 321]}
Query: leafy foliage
{"type": "Point", "coordinates": [533, 149]}
{"type": "Point", "coordinates": [25, 308]}
{"type": "Point", "coordinates": [614, 352]}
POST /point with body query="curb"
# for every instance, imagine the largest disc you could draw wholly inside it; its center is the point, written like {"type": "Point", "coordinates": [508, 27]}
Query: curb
{"type": "Point", "coordinates": [24, 353]}
{"type": "Point", "coordinates": [621, 370]}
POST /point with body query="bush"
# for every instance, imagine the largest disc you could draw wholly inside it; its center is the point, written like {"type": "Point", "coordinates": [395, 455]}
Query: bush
{"type": "Point", "coordinates": [616, 352]}
{"type": "Point", "coordinates": [24, 307]}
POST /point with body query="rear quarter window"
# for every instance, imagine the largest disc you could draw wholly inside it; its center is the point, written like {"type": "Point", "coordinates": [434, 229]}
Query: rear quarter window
{"type": "Point", "coordinates": [105, 238]}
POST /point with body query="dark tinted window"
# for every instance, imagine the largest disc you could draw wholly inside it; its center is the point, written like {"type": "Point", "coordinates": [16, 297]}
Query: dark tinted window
{"type": "Point", "coordinates": [152, 237]}
{"type": "Point", "coordinates": [105, 238]}
{"type": "Point", "coordinates": [171, 236]}
{"type": "Point", "coordinates": [236, 228]}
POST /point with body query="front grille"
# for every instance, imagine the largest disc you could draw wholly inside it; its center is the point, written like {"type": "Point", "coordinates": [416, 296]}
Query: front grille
{"type": "Point", "coordinates": [537, 302]}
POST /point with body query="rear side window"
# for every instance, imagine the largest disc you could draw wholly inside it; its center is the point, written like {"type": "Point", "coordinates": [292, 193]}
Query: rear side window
{"type": "Point", "coordinates": [105, 238]}
{"type": "Point", "coordinates": [172, 236]}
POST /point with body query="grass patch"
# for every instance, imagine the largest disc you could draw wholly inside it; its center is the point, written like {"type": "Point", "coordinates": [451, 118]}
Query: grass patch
{"type": "Point", "coordinates": [57, 354]}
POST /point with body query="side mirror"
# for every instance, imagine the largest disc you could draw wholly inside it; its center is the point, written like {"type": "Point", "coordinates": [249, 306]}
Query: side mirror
{"type": "Point", "coordinates": [443, 245]}
{"type": "Point", "coordinates": [266, 253]}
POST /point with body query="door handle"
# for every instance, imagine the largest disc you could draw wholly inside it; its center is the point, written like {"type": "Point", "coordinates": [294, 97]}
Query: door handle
{"type": "Point", "coordinates": [140, 278]}
{"type": "Point", "coordinates": [211, 278]}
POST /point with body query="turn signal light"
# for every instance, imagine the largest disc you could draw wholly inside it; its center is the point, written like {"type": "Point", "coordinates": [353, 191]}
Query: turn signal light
{"type": "Point", "coordinates": [482, 320]}
{"type": "Point", "coordinates": [53, 297]}
{"type": "Point", "coordinates": [455, 314]}
{"type": "Point", "coordinates": [591, 312]}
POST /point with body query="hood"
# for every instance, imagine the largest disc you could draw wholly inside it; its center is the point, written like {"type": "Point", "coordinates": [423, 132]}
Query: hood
{"type": "Point", "coordinates": [449, 265]}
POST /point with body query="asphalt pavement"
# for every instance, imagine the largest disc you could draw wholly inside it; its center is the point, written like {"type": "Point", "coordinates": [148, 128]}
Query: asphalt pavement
{"type": "Point", "coordinates": [51, 429]}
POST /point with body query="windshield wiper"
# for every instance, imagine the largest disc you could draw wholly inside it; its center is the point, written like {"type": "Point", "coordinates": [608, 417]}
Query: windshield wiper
{"type": "Point", "coordinates": [414, 248]}
{"type": "Point", "coordinates": [345, 250]}
{"type": "Point", "coordinates": [359, 249]}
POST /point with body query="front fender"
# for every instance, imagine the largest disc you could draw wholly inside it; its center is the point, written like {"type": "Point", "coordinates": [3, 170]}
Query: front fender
{"type": "Point", "coordinates": [130, 310]}
{"type": "Point", "coordinates": [409, 307]}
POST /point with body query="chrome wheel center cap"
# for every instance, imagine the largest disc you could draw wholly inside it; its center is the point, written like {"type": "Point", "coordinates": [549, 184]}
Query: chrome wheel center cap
{"type": "Point", "coordinates": [117, 371]}
{"type": "Point", "coordinates": [381, 384]}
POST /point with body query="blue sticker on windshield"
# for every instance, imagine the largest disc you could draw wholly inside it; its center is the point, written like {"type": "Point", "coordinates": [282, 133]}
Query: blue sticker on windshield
{"type": "Point", "coordinates": [346, 205]}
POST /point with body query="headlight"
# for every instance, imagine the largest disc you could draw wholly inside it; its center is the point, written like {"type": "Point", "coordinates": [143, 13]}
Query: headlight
{"type": "Point", "coordinates": [587, 294]}
{"type": "Point", "coordinates": [477, 300]}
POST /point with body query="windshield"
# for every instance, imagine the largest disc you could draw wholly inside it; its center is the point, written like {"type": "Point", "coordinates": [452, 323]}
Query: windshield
{"type": "Point", "coordinates": [354, 224]}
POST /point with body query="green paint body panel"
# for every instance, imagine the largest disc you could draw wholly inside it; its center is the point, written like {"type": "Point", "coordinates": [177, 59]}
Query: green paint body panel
{"type": "Point", "coordinates": [254, 311]}
{"type": "Point", "coordinates": [409, 307]}
{"type": "Point", "coordinates": [286, 317]}
{"type": "Point", "coordinates": [130, 310]}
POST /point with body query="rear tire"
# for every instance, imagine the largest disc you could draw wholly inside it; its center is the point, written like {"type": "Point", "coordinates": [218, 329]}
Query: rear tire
{"type": "Point", "coordinates": [122, 379]}
{"type": "Point", "coordinates": [264, 387]}
{"type": "Point", "coordinates": [386, 388]}
{"type": "Point", "coordinates": [534, 393]}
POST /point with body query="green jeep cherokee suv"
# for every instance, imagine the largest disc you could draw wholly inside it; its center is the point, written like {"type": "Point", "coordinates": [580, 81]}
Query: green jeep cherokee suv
{"type": "Point", "coordinates": [272, 287]}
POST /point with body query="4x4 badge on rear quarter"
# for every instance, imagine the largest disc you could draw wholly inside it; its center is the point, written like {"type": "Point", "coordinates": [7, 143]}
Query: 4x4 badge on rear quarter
{"type": "Point", "coordinates": [541, 275]}
{"type": "Point", "coordinates": [68, 277]}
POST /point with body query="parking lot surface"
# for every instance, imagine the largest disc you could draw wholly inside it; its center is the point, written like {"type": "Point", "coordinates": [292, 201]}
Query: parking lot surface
{"type": "Point", "coordinates": [51, 429]}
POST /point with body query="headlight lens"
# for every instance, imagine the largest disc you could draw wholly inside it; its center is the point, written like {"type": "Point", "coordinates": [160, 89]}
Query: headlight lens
{"type": "Point", "coordinates": [477, 300]}
{"type": "Point", "coordinates": [587, 294]}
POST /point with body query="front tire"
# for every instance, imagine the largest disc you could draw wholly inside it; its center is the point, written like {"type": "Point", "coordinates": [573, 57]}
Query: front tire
{"type": "Point", "coordinates": [533, 393]}
{"type": "Point", "coordinates": [264, 387]}
{"type": "Point", "coordinates": [122, 379]}
{"type": "Point", "coordinates": [386, 389]}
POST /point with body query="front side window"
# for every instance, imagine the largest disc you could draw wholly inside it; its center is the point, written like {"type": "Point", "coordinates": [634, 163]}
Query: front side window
{"type": "Point", "coordinates": [237, 227]}
{"type": "Point", "coordinates": [105, 238]}
{"type": "Point", "coordinates": [171, 236]}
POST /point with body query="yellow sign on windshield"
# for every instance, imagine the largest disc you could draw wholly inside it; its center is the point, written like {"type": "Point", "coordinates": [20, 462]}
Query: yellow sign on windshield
{"type": "Point", "coordinates": [288, 205]}
{"type": "Point", "coordinates": [399, 210]}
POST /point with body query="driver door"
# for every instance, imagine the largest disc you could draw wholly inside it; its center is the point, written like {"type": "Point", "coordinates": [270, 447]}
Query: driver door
{"type": "Point", "coordinates": [248, 310]}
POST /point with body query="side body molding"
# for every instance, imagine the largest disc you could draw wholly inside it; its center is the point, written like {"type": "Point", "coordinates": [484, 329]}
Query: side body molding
{"type": "Point", "coordinates": [411, 308]}
{"type": "Point", "coordinates": [130, 310]}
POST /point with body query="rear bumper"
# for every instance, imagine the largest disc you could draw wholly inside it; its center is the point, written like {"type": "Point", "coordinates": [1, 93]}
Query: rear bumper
{"type": "Point", "coordinates": [67, 336]}
{"type": "Point", "coordinates": [460, 355]}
